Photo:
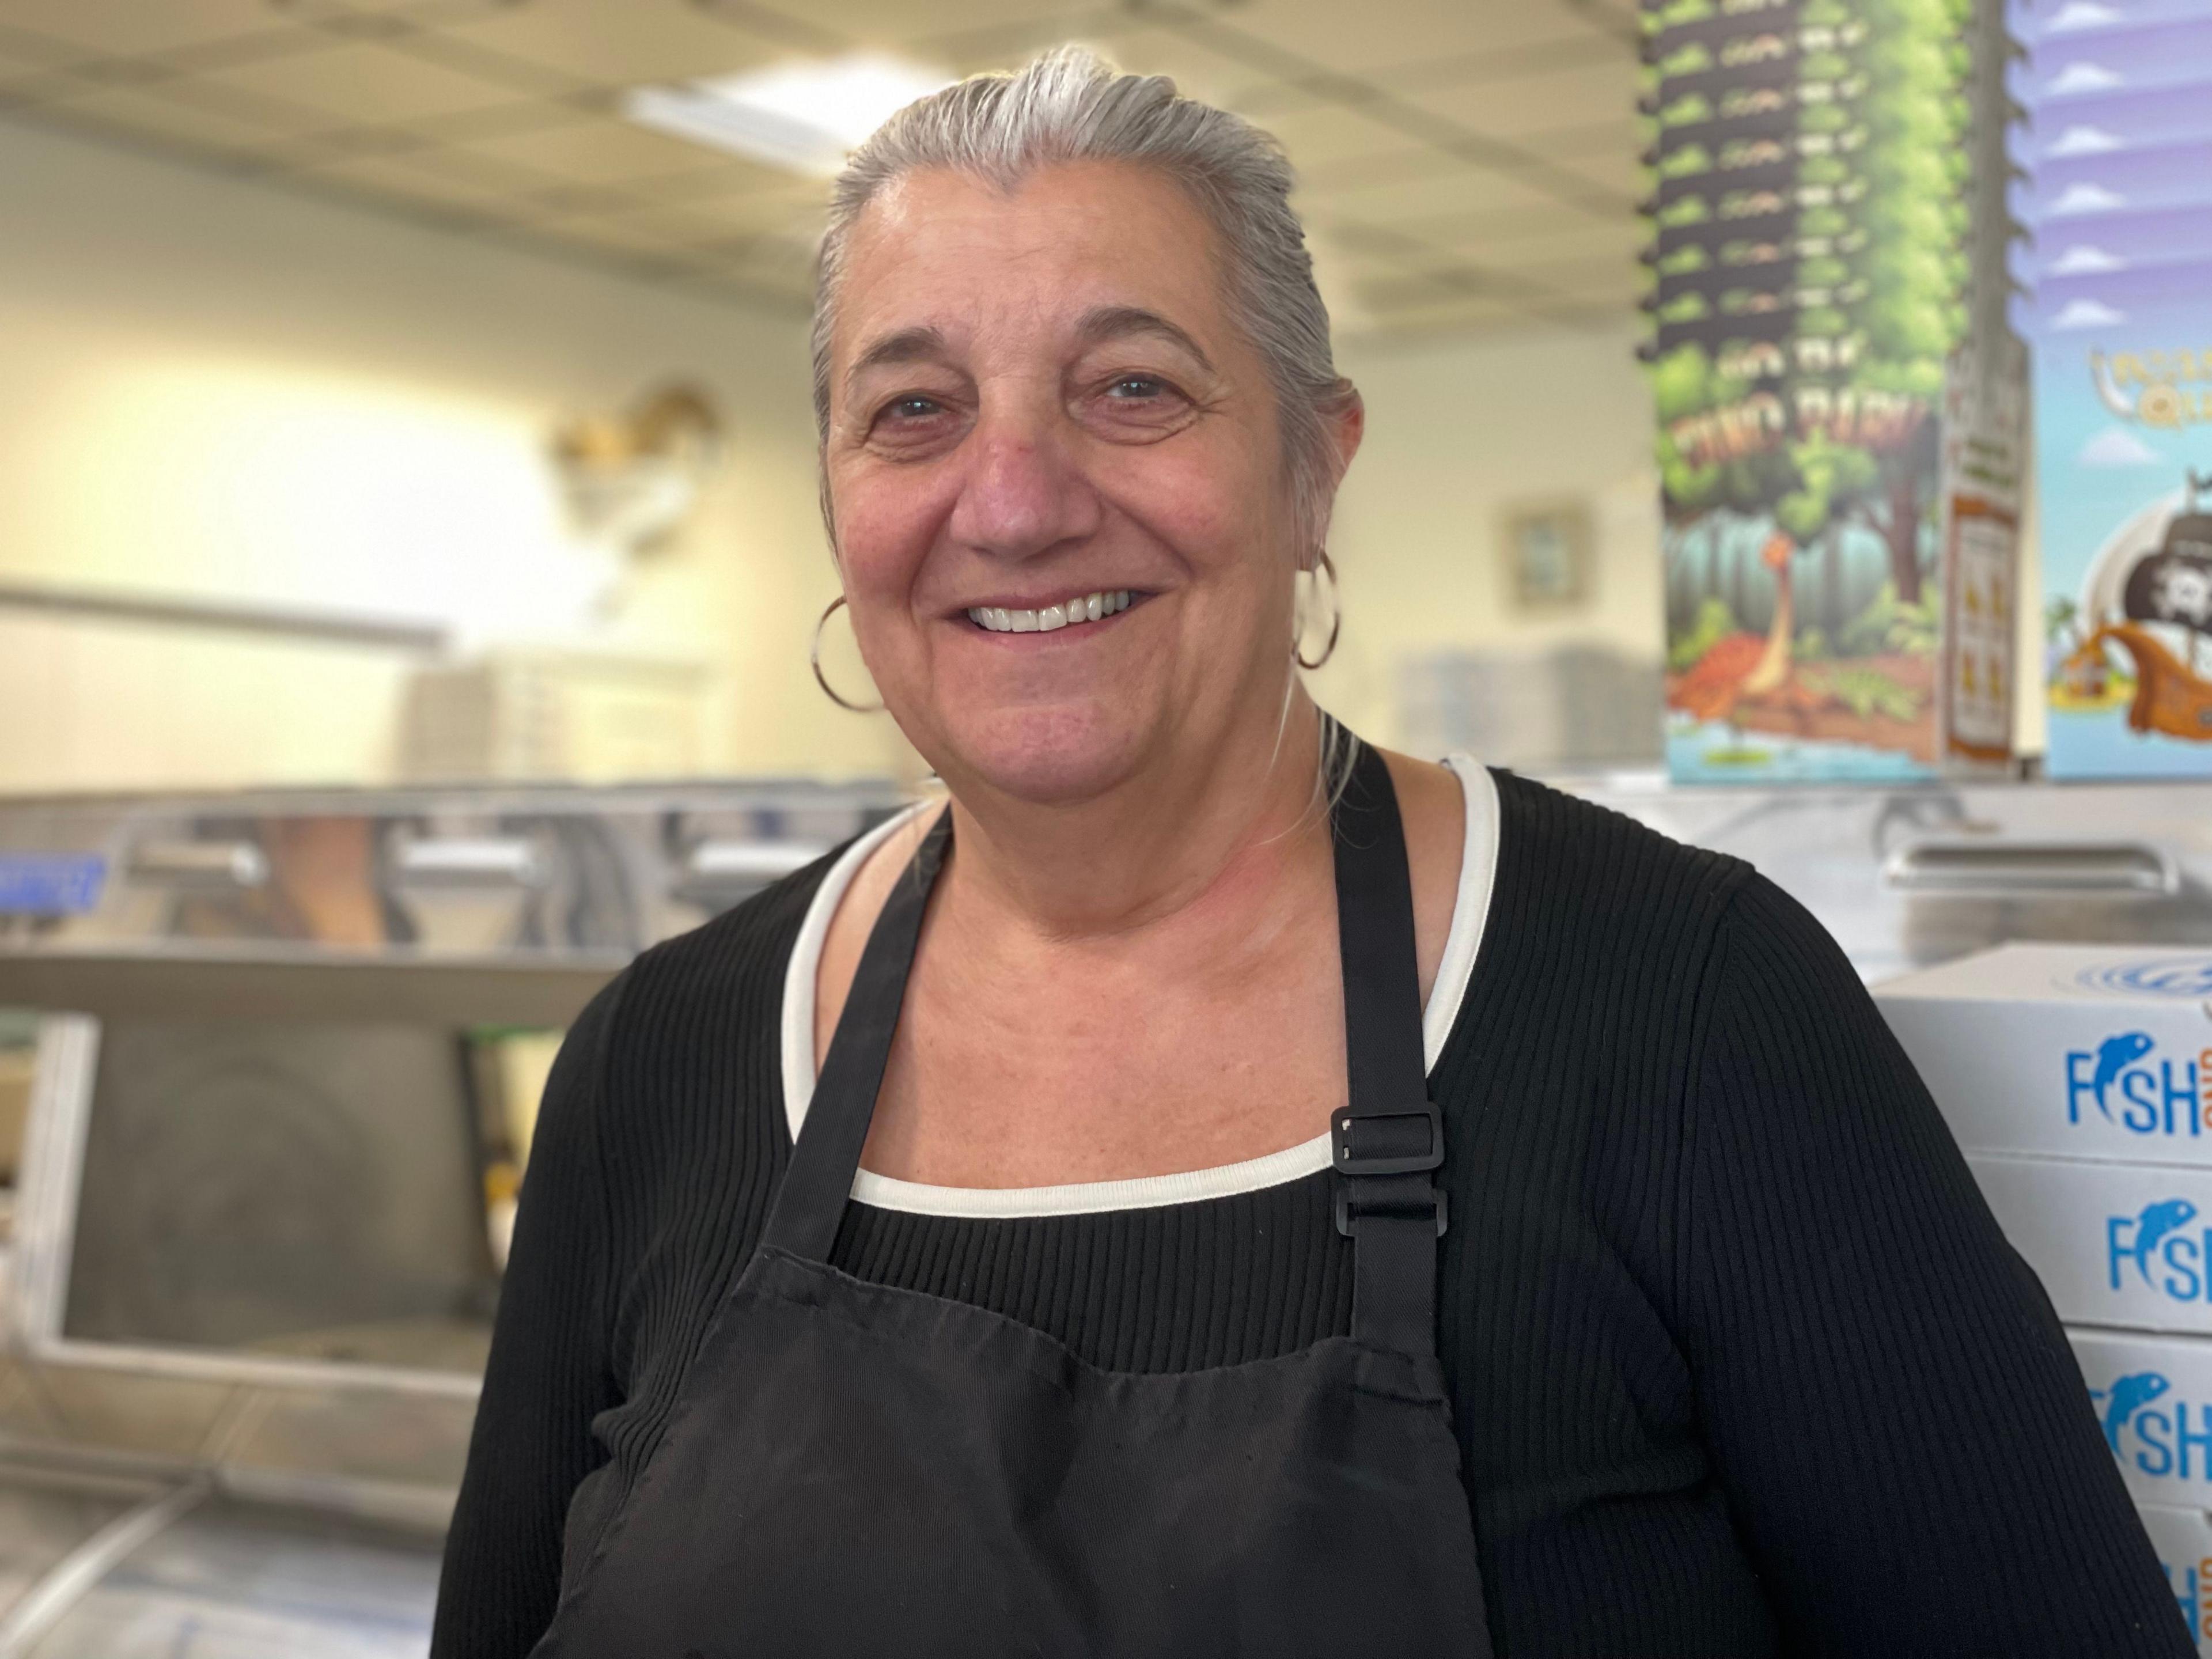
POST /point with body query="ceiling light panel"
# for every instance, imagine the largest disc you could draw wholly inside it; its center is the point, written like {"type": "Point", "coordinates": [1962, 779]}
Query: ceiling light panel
{"type": "Point", "coordinates": [805, 117]}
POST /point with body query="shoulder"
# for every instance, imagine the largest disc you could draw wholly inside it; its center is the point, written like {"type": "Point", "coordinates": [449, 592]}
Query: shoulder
{"type": "Point", "coordinates": [1569, 867]}
{"type": "Point", "coordinates": [719, 986]}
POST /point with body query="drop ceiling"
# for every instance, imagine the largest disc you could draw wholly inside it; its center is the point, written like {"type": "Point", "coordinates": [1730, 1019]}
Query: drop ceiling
{"type": "Point", "coordinates": [1463, 164]}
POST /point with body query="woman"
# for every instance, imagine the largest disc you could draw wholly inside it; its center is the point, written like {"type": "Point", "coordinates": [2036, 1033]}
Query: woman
{"type": "Point", "coordinates": [1636, 1303]}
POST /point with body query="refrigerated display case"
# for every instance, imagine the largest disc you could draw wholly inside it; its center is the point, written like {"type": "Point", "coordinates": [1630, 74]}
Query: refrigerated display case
{"type": "Point", "coordinates": [276, 1057]}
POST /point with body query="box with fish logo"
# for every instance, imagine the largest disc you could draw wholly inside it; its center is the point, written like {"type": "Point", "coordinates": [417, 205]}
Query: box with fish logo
{"type": "Point", "coordinates": [2152, 1397]}
{"type": "Point", "coordinates": [2065, 1050]}
{"type": "Point", "coordinates": [2183, 1539]}
{"type": "Point", "coordinates": [2126, 1244]}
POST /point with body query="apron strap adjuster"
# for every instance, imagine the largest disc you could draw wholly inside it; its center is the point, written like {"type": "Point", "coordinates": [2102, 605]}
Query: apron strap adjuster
{"type": "Point", "coordinates": [1417, 1203]}
{"type": "Point", "coordinates": [1385, 1143]}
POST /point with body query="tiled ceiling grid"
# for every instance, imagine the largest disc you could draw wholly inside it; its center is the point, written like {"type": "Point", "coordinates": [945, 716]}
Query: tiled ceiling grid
{"type": "Point", "coordinates": [1463, 163]}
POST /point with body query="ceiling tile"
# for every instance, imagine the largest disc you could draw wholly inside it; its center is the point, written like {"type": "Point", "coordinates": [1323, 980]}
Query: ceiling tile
{"type": "Point", "coordinates": [899, 23]}
{"type": "Point", "coordinates": [599, 149]}
{"type": "Point", "coordinates": [1003, 45]}
{"type": "Point", "coordinates": [1531, 104]}
{"type": "Point", "coordinates": [1465, 190]}
{"type": "Point", "coordinates": [406, 180]}
{"type": "Point", "coordinates": [1617, 273]}
{"type": "Point", "coordinates": [366, 84]}
{"type": "Point", "coordinates": [1620, 172]}
{"type": "Point", "coordinates": [1502, 239]}
{"type": "Point", "coordinates": [616, 230]}
{"type": "Point", "coordinates": [148, 115]}
{"type": "Point", "coordinates": [630, 44]}
{"type": "Point", "coordinates": [1195, 62]}
{"type": "Point", "coordinates": [714, 179]}
{"type": "Point", "coordinates": [133, 27]}
{"type": "Point", "coordinates": [22, 52]}
{"type": "Point", "coordinates": [782, 253]}
{"type": "Point", "coordinates": [1604, 139]}
{"type": "Point", "coordinates": [1384, 34]}
{"type": "Point", "coordinates": [1326, 137]}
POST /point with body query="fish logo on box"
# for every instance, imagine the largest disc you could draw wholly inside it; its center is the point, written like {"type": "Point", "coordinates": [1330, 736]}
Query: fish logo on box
{"type": "Point", "coordinates": [2126, 1081]}
{"type": "Point", "coordinates": [2186, 977]}
{"type": "Point", "coordinates": [2153, 1246]}
{"type": "Point", "coordinates": [2154, 1436]}
{"type": "Point", "coordinates": [2166, 1440]}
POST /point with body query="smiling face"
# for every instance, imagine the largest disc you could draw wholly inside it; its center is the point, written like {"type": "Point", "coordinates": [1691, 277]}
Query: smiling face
{"type": "Point", "coordinates": [1036, 398]}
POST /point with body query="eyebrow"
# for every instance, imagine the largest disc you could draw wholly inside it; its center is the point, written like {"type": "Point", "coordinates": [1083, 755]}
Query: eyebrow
{"type": "Point", "coordinates": [1117, 322]}
{"type": "Point", "coordinates": [922, 343]}
{"type": "Point", "coordinates": [909, 345]}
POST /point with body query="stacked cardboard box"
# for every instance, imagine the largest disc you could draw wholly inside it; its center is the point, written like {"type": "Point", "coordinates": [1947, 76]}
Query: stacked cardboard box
{"type": "Point", "coordinates": [2078, 1081]}
{"type": "Point", "coordinates": [2116, 98]}
{"type": "Point", "coordinates": [1839, 403]}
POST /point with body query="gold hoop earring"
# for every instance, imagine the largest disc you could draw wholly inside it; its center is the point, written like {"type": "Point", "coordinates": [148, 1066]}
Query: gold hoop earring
{"type": "Point", "coordinates": [814, 656]}
{"type": "Point", "coordinates": [1335, 617]}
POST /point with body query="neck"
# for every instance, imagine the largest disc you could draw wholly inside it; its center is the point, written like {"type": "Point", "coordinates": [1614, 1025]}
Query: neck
{"type": "Point", "coordinates": [1198, 831]}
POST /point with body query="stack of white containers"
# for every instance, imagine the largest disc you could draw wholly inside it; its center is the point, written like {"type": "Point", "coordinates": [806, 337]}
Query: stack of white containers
{"type": "Point", "coordinates": [2078, 1081]}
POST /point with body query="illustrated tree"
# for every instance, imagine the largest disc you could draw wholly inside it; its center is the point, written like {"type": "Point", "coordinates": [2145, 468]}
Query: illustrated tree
{"type": "Point", "coordinates": [1880, 280]}
{"type": "Point", "coordinates": [1886, 276]}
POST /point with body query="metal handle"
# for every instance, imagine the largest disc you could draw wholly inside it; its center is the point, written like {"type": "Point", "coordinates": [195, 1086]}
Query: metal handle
{"type": "Point", "coordinates": [502, 861]}
{"type": "Point", "coordinates": [199, 863]}
{"type": "Point", "coordinates": [2017, 869]}
{"type": "Point", "coordinates": [729, 863]}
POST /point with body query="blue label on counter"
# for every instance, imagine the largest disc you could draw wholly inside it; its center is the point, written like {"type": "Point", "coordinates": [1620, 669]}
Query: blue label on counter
{"type": "Point", "coordinates": [50, 883]}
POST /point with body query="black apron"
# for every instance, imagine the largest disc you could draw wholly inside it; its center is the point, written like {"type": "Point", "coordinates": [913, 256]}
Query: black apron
{"type": "Point", "coordinates": [857, 1470]}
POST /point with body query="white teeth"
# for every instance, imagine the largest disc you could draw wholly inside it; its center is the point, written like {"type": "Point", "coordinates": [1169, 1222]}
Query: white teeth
{"type": "Point", "coordinates": [1092, 607]}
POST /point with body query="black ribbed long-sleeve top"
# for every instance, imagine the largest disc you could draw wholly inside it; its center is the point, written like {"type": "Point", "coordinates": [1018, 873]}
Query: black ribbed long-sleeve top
{"type": "Point", "coordinates": [1740, 1362]}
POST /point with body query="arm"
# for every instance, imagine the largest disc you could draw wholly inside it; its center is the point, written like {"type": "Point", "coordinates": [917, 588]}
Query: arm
{"type": "Point", "coordinates": [548, 1375]}
{"type": "Point", "coordinates": [1903, 1436]}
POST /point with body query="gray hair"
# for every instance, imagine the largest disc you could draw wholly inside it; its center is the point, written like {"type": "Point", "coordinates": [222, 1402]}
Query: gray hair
{"type": "Point", "coordinates": [1070, 105]}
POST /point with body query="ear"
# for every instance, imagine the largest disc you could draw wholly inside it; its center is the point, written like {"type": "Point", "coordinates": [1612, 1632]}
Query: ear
{"type": "Point", "coordinates": [1347, 425]}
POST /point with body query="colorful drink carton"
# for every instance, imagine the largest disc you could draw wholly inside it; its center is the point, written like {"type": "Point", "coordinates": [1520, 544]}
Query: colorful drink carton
{"type": "Point", "coordinates": [1841, 405]}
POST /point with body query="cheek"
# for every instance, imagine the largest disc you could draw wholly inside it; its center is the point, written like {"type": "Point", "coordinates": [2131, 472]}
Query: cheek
{"type": "Point", "coordinates": [885, 525]}
{"type": "Point", "coordinates": [1212, 504]}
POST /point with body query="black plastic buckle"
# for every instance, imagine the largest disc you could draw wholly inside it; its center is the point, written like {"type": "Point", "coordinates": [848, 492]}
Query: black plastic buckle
{"type": "Point", "coordinates": [1419, 1208]}
{"type": "Point", "coordinates": [1344, 1122]}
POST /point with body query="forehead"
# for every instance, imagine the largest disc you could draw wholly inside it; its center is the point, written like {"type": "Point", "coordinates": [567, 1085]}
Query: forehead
{"type": "Point", "coordinates": [944, 250]}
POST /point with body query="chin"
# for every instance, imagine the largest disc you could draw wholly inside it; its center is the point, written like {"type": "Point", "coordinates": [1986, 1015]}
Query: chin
{"type": "Point", "coordinates": [1050, 755]}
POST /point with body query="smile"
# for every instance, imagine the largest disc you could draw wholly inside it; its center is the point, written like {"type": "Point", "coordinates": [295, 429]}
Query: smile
{"type": "Point", "coordinates": [1088, 609]}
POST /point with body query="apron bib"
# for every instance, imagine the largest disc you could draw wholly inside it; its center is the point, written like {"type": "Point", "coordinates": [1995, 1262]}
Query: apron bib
{"type": "Point", "coordinates": [857, 1470]}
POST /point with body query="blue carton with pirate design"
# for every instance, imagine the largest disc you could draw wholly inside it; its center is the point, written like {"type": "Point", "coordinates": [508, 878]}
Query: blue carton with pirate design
{"type": "Point", "coordinates": [2115, 1244]}
{"type": "Point", "coordinates": [2066, 1051]}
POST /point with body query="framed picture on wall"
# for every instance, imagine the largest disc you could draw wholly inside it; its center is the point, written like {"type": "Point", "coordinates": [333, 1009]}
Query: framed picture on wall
{"type": "Point", "coordinates": [1546, 546]}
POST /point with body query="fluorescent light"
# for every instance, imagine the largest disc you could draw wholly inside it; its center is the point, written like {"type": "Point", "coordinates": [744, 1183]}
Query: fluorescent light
{"type": "Point", "coordinates": [807, 117]}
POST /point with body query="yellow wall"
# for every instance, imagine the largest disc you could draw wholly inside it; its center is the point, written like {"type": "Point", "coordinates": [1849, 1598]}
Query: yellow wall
{"type": "Point", "coordinates": [1458, 433]}
{"type": "Point", "coordinates": [219, 391]}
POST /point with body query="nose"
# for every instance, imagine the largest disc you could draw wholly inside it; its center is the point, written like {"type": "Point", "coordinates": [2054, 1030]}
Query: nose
{"type": "Point", "coordinates": [1024, 494]}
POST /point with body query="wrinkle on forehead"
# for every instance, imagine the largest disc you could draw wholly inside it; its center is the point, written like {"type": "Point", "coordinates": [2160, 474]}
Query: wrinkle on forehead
{"type": "Point", "coordinates": [938, 217]}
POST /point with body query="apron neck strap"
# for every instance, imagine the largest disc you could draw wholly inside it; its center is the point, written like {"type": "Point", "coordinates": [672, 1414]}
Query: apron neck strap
{"type": "Point", "coordinates": [1389, 1141]}
{"type": "Point", "coordinates": [810, 1202]}
{"type": "Point", "coordinates": [1384, 1145]}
